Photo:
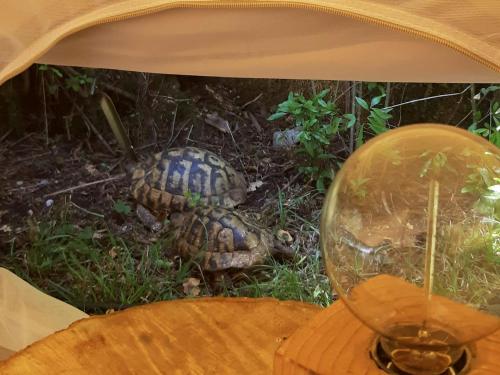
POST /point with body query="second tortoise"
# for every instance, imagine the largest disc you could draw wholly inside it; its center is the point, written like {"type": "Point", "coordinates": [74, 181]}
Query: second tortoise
{"type": "Point", "coordinates": [222, 239]}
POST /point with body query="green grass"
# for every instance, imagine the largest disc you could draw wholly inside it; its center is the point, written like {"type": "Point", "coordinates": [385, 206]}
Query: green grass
{"type": "Point", "coordinates": [94, 270]}
{"type": "Point", "coordinates": [301, 280]}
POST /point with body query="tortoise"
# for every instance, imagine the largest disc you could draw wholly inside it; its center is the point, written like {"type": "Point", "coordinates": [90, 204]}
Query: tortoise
{"type": "Point", "coordinates": [223, 238]}
{"type": "Point", "coordinates": [173, 178]}
{"type": "Point", "coordinates": [162, 185]}
{"type": "Point", "coordinates": [165, 181]}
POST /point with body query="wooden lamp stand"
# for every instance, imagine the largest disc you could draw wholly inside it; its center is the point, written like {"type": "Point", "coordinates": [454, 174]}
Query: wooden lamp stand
{"type": "Point", "coordinates": [334, 342]}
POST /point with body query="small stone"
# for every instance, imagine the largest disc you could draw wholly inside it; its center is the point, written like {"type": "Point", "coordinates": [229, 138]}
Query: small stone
{"type": "Point", "coordinates": [286, 138]}
{"type": "Point", "coordinates": [30, 212]}
{"type": "Point", "coordinates": [49, 203]}
{"type": "Point", "coordinates": [255, 185]}
{"type": "Point", "coordinates": [191, 286]}
{"type": "Point", "coordinates": [19, 183]}
{"type": "Point", "coordinates": [284, 236]}
{"type": "Point", "coordinates": [5, 228]}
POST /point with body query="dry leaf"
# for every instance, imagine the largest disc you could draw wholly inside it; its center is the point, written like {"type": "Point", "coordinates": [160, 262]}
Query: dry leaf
{"type": "Point", "coordinates": [255, 185]}
{"type": "Point", "coordinates": [5, 228]}
{"type": "Point", "coordinates": [191, 287]}
{"type": "Point", "coordinates": [98, 234]}
{"type": "Point", "coordinates": [112, 252]}
{"type": "Point", "coordinates": [284, 236]}
{"type": "Point", "coordinates": [217, 122]}
{"type": "Point", "coordinates": [254, 122]}
{"type": "Point", "coordinates": [91, 169]}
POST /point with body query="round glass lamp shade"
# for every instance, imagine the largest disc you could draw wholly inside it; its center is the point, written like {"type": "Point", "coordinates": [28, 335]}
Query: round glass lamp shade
{"type": "Point", "coordinates": [410, 233]}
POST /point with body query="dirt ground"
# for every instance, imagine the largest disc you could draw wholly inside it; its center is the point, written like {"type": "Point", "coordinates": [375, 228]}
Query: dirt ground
{"type": "Point", "coordinates": [62, 164]}
{"type": "Point", "coordinates": [74, 176]}
{"type": "Point", "coordinates": [36, 178]}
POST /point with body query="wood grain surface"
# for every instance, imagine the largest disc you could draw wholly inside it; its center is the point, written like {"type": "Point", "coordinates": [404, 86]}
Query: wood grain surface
{"type": "Point", "coordinates": [335, 342]}
{"type": "Point", "coordinates": [195, 336]}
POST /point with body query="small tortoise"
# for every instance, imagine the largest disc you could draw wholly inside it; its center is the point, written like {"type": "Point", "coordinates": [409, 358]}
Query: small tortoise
{"type": "Point", "coordinates": [164, 183]}
{"type": "Point", "coordinates": [223, 238]}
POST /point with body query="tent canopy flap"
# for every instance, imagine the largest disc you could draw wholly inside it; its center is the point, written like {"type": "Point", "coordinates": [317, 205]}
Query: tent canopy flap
{"type": "Point", "coordinates": [368, 40]}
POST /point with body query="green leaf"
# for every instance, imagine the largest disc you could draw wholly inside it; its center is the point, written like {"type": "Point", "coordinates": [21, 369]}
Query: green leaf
{"type": "Point", "coordinates": [122, 207]}
{"type": "Point", "coordinates": [326, 176]}
{"type": "Point", "coordinates": [309, 148]}
{"type": "Point", "coordinates": [362, 103]}
{"type": "Point", "coordinates": [351, 120]}
{"type": "Point", "coordinates": [382, 113]}
{"type": "Point", "coordinates": [360, 137]}
{"type": "Point", "coordinates": [489, 89]}
{"type": "Point", "coordinates": [57, 72]}
{"type": "Point", "coordinates": [86, 233]}
{"type": "Point", "coordinates": [372, 85]}
{"type": "Point", "coordinates": [377, 124]}
{"type": "Point", "coordinates": [276, 116]}
{"type": "Point", "coordinates": [323, 93]}
{"type": "Point", "coordinates": [376, 100]}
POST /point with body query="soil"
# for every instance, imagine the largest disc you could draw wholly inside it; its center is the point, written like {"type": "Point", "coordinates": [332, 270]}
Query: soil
{"type": "Point", "coordinates": [36, 168]}
{"type": "Point", "coordinates": [61, 141]}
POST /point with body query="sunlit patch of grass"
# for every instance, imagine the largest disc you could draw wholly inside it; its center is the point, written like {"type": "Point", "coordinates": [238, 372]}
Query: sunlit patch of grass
{"type": "Point", "coordinates": [472, 272]}
{"type": "Point", "coordinates": [302, 280]}
{"type": "Point", "coordinates": [95, 270]}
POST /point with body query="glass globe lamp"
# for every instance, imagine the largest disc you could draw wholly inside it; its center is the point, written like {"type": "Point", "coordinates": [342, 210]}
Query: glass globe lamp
{"type": "Point", "coordinates": [410, 234]}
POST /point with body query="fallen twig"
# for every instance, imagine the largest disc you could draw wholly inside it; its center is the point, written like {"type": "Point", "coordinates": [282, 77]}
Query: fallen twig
{"type": "Point", "coordinates": [6, 135]}
{"type": "Point", "coordinates": [254, 122]}
{"type": "Point", "coordinates": [292, 180]}
{"type": "Point", "coordinates": [73, 188]}
{"type": "Point", "coordinates": [33, 157]}
{"type": "Point", "coordinates": [45, 119]}
{"type": "Point", "coordinates": [252, 101]}
{"type": "Point", "coordinates": [87, 211]}
{"type": "Point", "coordinates": [96, 132]}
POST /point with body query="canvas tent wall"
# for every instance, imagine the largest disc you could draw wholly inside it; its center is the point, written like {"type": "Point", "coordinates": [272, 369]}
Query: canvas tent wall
{"type": "Point", "coordinates": [371, 40]}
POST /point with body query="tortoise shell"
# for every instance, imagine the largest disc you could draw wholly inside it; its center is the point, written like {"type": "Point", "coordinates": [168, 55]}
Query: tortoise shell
{"type": "Point", "coordinates": [222, 237]}
{"type": "Point", "coordinates": [164, 183]}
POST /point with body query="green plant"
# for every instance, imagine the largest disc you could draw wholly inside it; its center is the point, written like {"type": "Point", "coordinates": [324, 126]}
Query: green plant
{"type": "Point", "coordinates": [95, 270]}
{"type": "Point", "coordinates": [193, 199]}
{"type": "Point", "coordinates": [282, 209]}
{"type": "Point", "coordinates": [318, 122]}
{"type": "Point", "coordinates": [377, 117]}
{"type": "Point", "coordinates": [78, 82]}
{"type": "Point", "coordinates": [487, 126]}
{"type": "Point", "coordinates": [302, 280]}
{"type": "Point", "coordinates": [122, 207]}
{"type": "Point", "coordinates": [66, 79]}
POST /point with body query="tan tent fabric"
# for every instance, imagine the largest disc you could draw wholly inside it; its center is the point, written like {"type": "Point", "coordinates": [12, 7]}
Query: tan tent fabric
{"type": "Point", "coordinates": [373, 40]}
{"type": "Point", "coordinates": [27, 315]}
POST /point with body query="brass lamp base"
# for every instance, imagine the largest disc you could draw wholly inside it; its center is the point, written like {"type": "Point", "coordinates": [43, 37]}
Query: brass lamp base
{"type": "Point", "coordinates": [335, 342]}
{"type": "Point", "coordinates": [383, 360]}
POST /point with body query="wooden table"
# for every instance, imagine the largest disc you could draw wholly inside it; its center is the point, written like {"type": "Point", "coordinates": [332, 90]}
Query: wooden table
{"type": "Point", "coordinates": [220, 336]}
{"type": "Point", "coordinates": [194, 336]}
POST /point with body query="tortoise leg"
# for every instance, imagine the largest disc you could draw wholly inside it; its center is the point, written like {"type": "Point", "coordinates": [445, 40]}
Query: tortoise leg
{"type": "Point", "coordinates": [148, 219]}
